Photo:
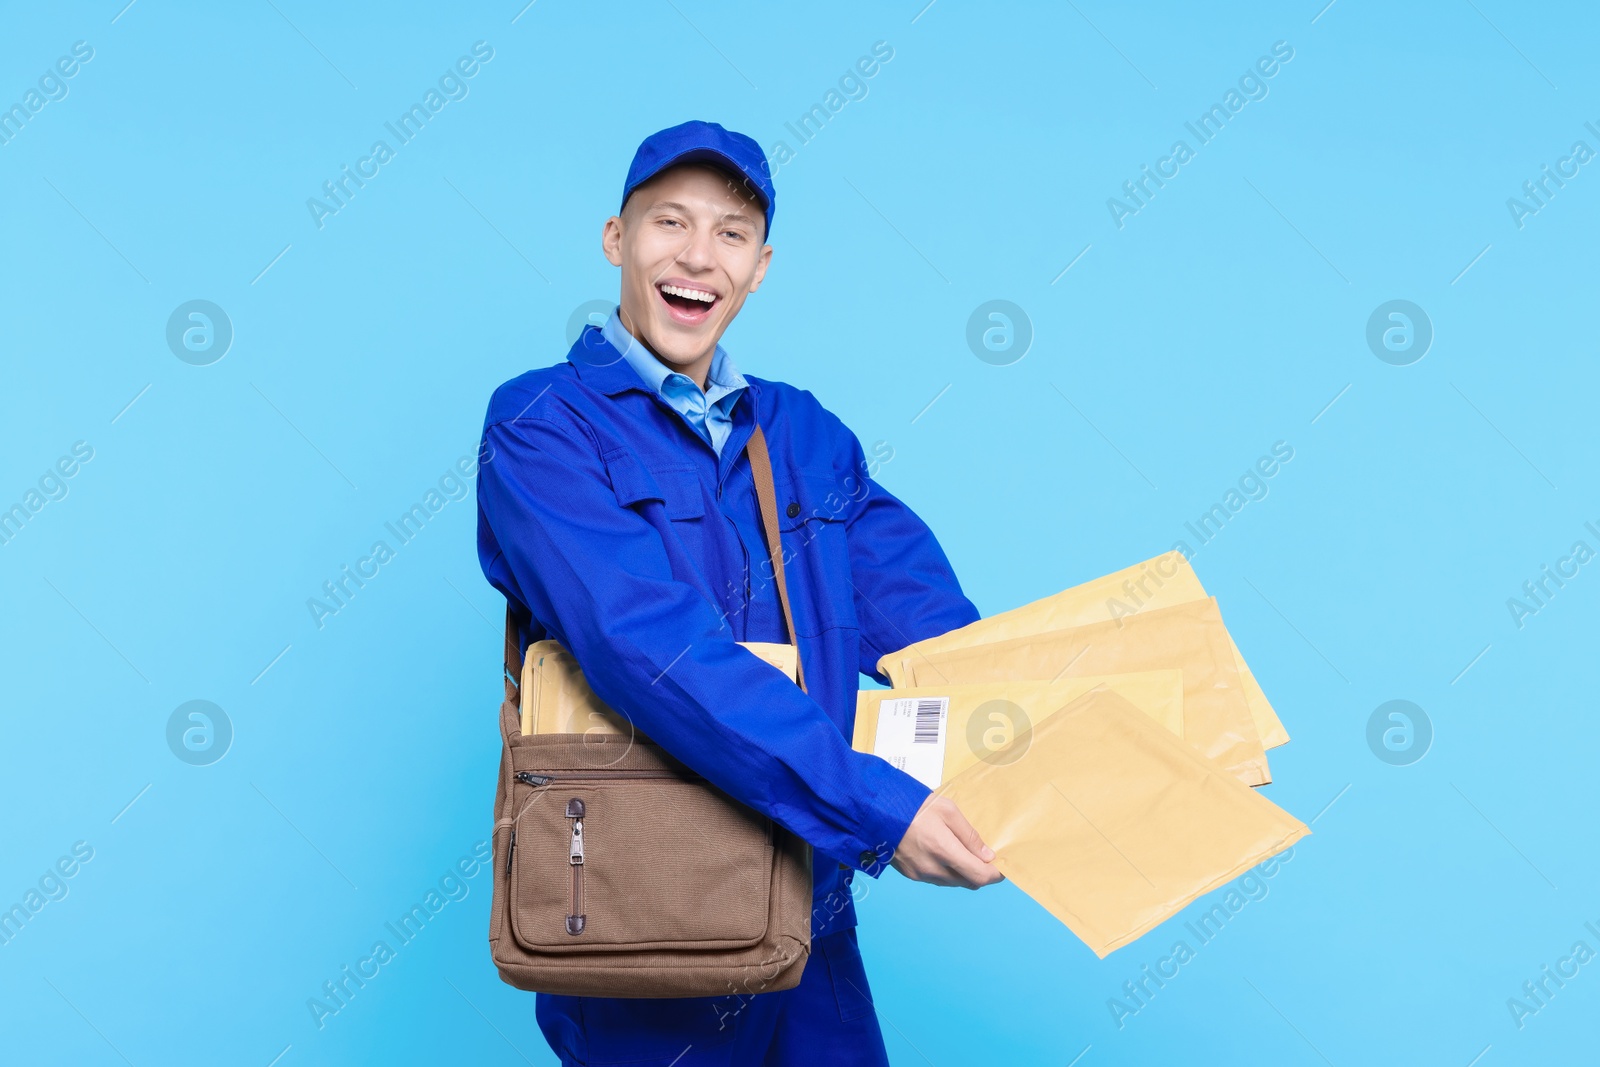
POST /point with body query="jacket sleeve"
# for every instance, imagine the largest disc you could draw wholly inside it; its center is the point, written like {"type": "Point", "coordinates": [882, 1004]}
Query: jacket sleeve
{"type": "Point", "coordinates": [597, 576]}
{"type": "Point", "coordinates": [906, 590]}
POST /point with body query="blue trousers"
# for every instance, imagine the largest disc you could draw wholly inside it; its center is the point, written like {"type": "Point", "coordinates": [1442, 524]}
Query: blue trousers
{"type": "Point", "coordinates": [827, 1019]}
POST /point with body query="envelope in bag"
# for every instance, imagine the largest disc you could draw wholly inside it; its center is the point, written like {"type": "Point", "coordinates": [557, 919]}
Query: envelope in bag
{"type": "Point", "coordinates": [556, 698]}
{"type": "Point", "coordinates": [1112, 824]}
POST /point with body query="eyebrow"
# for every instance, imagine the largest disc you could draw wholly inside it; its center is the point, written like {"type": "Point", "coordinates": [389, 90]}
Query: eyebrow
{"type": "Point", "coordinates": [731, 216]}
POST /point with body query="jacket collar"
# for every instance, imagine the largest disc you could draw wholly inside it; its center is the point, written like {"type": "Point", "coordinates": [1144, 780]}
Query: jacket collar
{"type": "Point", "coordinates": [600, 366]}
{"type": "Point", "coordinates": [723, 377]}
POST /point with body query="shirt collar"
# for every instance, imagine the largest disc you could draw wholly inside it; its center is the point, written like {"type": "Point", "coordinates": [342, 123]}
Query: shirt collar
{"type": "Point", "coordinates": [722, 381]}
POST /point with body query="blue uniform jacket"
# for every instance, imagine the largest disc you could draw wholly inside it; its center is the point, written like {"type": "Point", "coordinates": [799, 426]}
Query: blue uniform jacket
{"type": "Point", "coordinates": [612, 526]}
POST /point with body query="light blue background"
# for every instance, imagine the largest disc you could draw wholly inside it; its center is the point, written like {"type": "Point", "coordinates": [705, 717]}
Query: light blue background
{"type": "Point", "coordinates": [1223, 317]}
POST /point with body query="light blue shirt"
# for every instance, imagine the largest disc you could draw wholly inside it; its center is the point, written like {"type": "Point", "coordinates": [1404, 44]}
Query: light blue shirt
{"type": "Point", "coordinates": [708, 411]}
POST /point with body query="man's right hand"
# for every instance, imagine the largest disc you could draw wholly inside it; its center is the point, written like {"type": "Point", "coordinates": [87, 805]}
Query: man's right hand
{"type": "Point", "coordinates": [942, 848]}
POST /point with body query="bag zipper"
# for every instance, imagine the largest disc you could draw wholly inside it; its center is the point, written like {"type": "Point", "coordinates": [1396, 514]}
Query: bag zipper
{"type": "Point", "coordinates": [575, 915]}
{"type": "Point", "coordinates": [540, 780]}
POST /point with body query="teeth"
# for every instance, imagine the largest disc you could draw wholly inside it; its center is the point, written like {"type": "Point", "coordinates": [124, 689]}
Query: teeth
{"type": "Point", "coordinates": [690, 294]}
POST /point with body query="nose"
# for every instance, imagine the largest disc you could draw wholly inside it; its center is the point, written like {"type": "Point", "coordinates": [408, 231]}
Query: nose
{"type": "Point", "coordinates": [697, 253]}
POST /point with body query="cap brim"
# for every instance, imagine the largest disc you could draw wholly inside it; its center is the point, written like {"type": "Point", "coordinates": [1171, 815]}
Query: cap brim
{"type": "Point", "coordinates": [720, 160]}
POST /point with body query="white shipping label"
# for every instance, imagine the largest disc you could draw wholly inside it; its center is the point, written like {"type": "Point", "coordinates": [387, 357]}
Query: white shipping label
{"type": "Point", "coordinates": [911, 735]}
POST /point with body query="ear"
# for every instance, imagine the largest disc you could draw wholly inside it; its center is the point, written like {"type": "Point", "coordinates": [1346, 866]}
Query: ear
{"type": "Point", "coordinates": [611, 240]}
{"type": "Point", "coordinates": [761, 267]}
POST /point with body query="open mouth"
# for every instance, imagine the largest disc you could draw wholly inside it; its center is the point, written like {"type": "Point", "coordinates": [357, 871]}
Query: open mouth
{"type": "Point", "coordinates": [687, 304]}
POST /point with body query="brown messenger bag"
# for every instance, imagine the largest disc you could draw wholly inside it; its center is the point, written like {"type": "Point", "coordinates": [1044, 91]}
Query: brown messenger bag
{"type": "Point", "coordinates": [619, 872]}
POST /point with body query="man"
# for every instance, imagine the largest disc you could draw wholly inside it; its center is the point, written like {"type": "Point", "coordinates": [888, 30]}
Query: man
{"type": "Point", "coordinates": [619, 516]}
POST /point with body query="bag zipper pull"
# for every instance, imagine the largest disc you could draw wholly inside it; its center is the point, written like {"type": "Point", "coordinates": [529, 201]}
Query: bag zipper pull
{"type": "Point", "coordinates": [575, 853]}
{"type": "Point", "coordinates": [526, 778]}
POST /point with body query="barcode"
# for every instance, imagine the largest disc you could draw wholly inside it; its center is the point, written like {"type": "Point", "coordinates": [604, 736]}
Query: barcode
{"type": "Point", "coordinates": [912, 734]}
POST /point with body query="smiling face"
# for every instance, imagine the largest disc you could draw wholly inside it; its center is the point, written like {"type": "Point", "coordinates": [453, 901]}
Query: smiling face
{"type": "Point", "coordinates": [690, 243]}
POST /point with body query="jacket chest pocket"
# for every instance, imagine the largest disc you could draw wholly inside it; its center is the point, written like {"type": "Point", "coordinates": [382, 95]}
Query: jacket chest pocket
{"type": "Point", "coordinates": [813, 507]}
{"type": "Point", "coordinates": [673, 500]}
{"type": "Point", "coordinates": [677, 489]}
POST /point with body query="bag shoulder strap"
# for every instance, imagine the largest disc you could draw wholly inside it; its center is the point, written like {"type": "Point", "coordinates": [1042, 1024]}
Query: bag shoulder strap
{"type": "Point", "coordinates": [511, 707]}
{"type": "Point", "coordinates": [513, 655]}
{"type": "Point", "coordinates": [767, 499]}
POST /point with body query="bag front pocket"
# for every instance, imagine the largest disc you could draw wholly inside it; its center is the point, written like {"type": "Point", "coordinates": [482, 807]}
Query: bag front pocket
{"type": "Point", "coordinates": [614, 859]}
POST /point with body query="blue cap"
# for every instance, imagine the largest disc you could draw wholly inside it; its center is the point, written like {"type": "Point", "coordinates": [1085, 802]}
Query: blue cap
{"type": "Point", "coordinates": [703, 142]}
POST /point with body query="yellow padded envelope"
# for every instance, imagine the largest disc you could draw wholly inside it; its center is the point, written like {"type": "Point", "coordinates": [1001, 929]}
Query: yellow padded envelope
{"type": "Point", "coordinates": [1161, 582]}
{"type": "Point", "coordinates": [982, 720]}
{"type": "Point", "coordinates": [1112, 824]}
{"type": "Point", "coordinates": [1190, 636]}
{"type": "Point", "coordinates": [556, 698]}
